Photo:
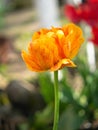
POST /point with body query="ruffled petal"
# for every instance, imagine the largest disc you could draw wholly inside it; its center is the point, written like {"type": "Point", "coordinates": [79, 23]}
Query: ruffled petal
{"type": "Point", "coordinates": [63, 63]}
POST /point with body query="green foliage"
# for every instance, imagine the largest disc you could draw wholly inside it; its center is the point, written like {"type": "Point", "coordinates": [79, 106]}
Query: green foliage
{"type": "Point", "coordinates": [70, 119]}
{"type": "Point", "coordinates": [3, 69]}
{"type": "Point", "coordinates": [23, 126]}
{"type": "Point", "coordinates": [68, 104]}
{"type": "Point", "coordinates": [43, 119]}
{"type": "Point", "coordinates": [74, 110]}
{"type": "Point", "coordinates": [90, 91]}
{"type": "Point", "coordinates": [46, 87]}
{"type": "Point", "coordinates": [4, 99]}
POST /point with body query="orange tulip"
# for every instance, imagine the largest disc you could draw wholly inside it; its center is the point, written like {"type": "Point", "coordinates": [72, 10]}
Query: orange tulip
{"type": "Point", "coordinates": [53, 49]}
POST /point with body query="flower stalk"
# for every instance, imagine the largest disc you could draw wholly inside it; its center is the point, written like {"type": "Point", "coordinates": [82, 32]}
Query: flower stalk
{"type": "Point", "coordinates": [56, 109]}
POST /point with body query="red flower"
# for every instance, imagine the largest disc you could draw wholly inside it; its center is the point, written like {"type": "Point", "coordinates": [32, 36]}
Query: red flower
{"type": "Point", "coordinates": [73, 13]}
{"type": "Point", "coordinates": [90, 13]}
{"type": "Point", "coordinates": [92, 1]}
{"type": "Point", "coordinates": [94, 38]}
{"type": "Point", "coordinates": [87, 12]}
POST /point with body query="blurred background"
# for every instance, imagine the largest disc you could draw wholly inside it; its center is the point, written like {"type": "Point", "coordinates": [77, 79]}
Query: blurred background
{"type": "Point", "coordinates": [27, 98]}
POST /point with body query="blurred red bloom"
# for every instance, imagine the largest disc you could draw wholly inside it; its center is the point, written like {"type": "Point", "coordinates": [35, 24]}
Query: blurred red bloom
{"type": "Point", "coordinates": [90, 13]}
{"type": "Point", "coordinates": [92, 1]}
{"type": "Point", "coordinates": [87, 12]}
{"type": "Point", "coordinates": [94, 38]}
{"type": "Point", "coordinates": [73, 13]}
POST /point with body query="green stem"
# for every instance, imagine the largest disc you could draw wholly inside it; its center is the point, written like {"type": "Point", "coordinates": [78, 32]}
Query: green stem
{"type": "Point", "coordinates": [56, 92]}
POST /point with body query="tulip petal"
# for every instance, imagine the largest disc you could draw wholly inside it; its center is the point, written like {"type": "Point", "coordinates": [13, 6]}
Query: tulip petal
{"type": "Point", "coordinates": [72, 41]}
{"type": "Point", "coordinates": [63, 63]}
{"type": "Point", "coordinates": [29, 62]}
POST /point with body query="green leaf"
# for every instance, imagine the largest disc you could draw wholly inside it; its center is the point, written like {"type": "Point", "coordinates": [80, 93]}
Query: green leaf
{"type": "Point", "coordinates": [46, 87]}
{"type": "Point", "coordinates": [45, 116]}
{"type": "Point", "coordinates": [70, 120]}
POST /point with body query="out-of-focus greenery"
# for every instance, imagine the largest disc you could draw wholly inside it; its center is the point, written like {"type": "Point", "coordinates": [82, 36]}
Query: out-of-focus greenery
{"type": "Point", "coordinates": [3, 69]}
{"type": "Point", "coordinates": [76, 106]}
{"type": "Point", "coordinates": [69, 106]}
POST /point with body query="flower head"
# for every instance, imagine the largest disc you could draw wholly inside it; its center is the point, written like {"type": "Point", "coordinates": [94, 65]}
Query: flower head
{"type": "Point", "coordinates": [52, 49]}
